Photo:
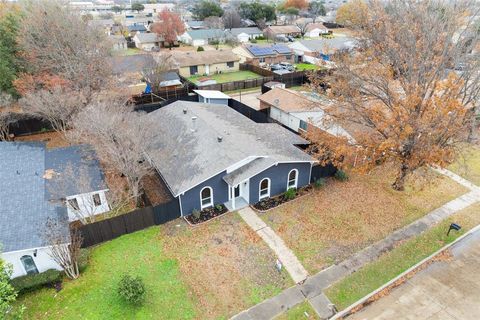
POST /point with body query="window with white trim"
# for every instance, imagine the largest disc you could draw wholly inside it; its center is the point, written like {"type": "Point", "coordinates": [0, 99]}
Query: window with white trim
{"type": "Point", "coordinates": [96, 200]}
{"type": "Point", "coordinates": [206, 197]}
{"type": "Point", "coordinates": [73, 203]}
{"type": "Point", "coordinates": [29, 264]}
{"type": "Point", "coordinates": [264, 190]}
{"type": "Point", "coordinates": [292, 179]}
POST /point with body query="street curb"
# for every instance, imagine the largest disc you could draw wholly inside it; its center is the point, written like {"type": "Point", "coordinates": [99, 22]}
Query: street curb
{"type": "Point", "coordinates": [347, 311]}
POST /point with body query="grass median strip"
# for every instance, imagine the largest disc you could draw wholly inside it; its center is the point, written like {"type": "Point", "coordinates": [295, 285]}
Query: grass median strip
{"type": "Point", "coordinates": [388, 266]}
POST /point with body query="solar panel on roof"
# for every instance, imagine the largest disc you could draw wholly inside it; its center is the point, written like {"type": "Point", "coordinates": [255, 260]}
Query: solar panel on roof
{"type": "Point", "coordinates": [261, 51]}
{"type": "Point", "coordinates": [280, 48]}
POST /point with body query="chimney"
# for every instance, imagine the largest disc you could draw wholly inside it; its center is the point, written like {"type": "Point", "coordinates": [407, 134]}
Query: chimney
{"type": "Point", "coordinates": [219, 138]}
{"type": "Point", "coordinates": [194, 124]}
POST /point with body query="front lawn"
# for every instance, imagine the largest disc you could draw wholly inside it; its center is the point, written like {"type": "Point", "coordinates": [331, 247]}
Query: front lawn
{"type": "Point", "coordinates": [388, 266]}
{"type": "Point", "coordinates": [227, 76]}
{"type": "Point", "coordinates": [468, 164]}
{"type": "Point", "coordinates": [341, 218]}
{"type": "Point", "coordinates": [212, 271]}
{"type": "Point", "coordinates": [305, 66]}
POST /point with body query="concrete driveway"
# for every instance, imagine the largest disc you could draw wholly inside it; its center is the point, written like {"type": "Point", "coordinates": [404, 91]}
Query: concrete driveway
{"type": "Point", "coordinates": [249, 98]}
{"type": "Point", "coordinates": [445, 290]}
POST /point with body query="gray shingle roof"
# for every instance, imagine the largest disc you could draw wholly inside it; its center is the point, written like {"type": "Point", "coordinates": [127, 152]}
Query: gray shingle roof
{"type": "Point", "coordinates": [207, 34]}
{"type": "Point", "coordinates": [251, 30]}
{"type": "Point", "coordinates": [321, 45]}
{"type": "Point", "coordinates": [147, 37]}
{"type": "Point", "coordinates": [24, 198]}
{"type": "Point", "coordinates": [185, 158]}
{"type": "Point", "coordinates": [241, 174]}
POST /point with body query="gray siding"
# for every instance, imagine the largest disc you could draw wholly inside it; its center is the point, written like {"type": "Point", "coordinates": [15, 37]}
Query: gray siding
{"type": "Point", "coordinates": [191, 199]}
{"type": "Point", "coordinates": [278, 178]}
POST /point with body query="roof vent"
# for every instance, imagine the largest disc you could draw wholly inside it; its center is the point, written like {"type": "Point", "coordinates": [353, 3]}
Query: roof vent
{"type": "Point", "coordinates": [184, 111]}
{"type": "Point", "coordinates": [219, 138]}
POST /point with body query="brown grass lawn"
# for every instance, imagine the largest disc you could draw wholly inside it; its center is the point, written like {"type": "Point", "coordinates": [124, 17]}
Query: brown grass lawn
{"type": "Point", "coordinates": [468, 163]}
{"type": "Point", "coordinates": [330, 224]}
{"type": "Point", "coordinates": [226, 266]}
{"type": "Point", "coordinates": [53, 139]}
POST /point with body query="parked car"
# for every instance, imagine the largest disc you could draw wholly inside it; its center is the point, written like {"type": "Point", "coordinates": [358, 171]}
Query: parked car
{"type": "Point", "coordinates": [282, 66]}
{"type": "Point", "coordinates": [287, 66]}
{"type": "Point", "coordinates": [290, 38]}
{"type": "Point", "coordinates": [281, 39]}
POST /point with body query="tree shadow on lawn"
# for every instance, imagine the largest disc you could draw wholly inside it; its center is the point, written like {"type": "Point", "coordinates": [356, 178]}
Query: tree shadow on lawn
{"type": "Point", "coordinates": [342, 218]}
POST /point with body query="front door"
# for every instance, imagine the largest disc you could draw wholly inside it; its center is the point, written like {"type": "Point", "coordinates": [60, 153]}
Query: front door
{"type": "Point", "coordinates": [236, 191]}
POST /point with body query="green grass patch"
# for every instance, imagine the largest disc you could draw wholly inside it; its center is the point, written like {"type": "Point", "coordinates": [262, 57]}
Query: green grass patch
{"type": "Point", "coordinates": [301, 311]}
{"type": "Point", "coordinates": [94, 294]}
{"type": "Point", "coordinates": [228, 76]}
{"type": "Point", "coordinates": [388, 266]}
{"type": "Point", "coordinates": [305, 66]}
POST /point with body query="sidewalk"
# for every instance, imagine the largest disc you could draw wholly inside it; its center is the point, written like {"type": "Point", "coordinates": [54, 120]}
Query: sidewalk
{"type": "Point", "coordinates": [285, 255]}
{"type": "Point", "coordinates": [312, 288]}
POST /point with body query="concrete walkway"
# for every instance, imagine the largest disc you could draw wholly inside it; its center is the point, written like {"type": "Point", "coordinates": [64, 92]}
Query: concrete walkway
{"type": "Point", "coordinates": [285, 255]}
{"type": "Point", "coordinates": [312, 288]}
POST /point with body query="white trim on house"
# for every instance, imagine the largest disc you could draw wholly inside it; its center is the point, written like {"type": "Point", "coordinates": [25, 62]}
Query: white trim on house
{"type": "Point", "coordinates": [295, 180]}
{"type": "Point", "coordinates": [210, 204]}
{"type": "Point", "coordinates": [267, 195]}
{"type": "Point", "coordinates": [242, 163]}
{"type": "Point", "coordinates": [86, 204]}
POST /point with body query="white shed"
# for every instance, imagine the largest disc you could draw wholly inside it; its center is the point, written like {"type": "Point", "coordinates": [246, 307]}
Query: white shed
{"type": "Point", "coordinates": [243, 38]}
{"type": "Point", "coordinates": [212, 96]}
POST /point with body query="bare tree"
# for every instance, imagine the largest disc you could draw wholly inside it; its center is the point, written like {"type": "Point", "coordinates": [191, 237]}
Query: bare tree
{"type": "Point", "coordinates": [213, 22]}
{"type": "Point", "coordinates": [302, 24]}
{"type": "Point", "coordinates": [57, 105]}
{"type": "Point", "coordinates": [119, 136]}
{"type": "Point", "coordinates": [56, 41]}
{"type": "Point", "coordinates": [155, 70]}
{"type": "Point", "coordinates": [401, 89]}
{"type": "Point", "coordinates": [64, 247]}
{"type": "Point", "coordinates": [6, 120]}
{"type": "Point", "coordinates": [231, 19]}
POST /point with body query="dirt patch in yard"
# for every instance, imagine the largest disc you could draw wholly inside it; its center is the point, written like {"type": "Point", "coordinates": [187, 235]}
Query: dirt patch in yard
{"type": "Point", "coordinates": [330, 224]}
{"type": "Point", "coordinates": [156, 190]}
{"type": "Point", "coordinates": [53, 139]}
{"type": "Point", "coordinates": [226, 265]}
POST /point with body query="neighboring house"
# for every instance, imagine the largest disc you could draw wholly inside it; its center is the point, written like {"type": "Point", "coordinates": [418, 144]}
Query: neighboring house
{"type": "Point", "coordinates": [244, 34]}
{"type": "Point", "coordinates": [320, 48]}
{"type": "Point", "coordinates": [105, 24]}
{"type": "Point", "coordinates": [315, 30]}
{"type": "Point", "coordinates": [118, 42]}
{"type": "Point", "coordinates": [128, 71]}
{"type": "Point", "coordinates": [282, 31]}
{"type": "Point", "coordinates": [265, 54]}
{"type": "Point", "coordinates": [212, 96]}
{"type": "Point", "coordinates": [138, 21]}
{"type": "Point", "coordinates": [210, 154]}
{"type": "Point", "coordinates": [147, 41]}
{"type": "Point", "coordinates": [155, 8]}
{"type": "Point", "coordinates": [194, 25]}
{"type": "Point", "coordinates": [28, 174]}
{"type": "Point", "coordinates": [202, 37]}
{"type": "Point", "coordinates": [206, 62]}
{"type": "Point", "coordinates": [134, 29]}
{"type": "Point", "coordinates": [299, 112]}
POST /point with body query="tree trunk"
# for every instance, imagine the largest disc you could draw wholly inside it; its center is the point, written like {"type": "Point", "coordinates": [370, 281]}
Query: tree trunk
{"type": "Point", "coordinates": [399, 183]}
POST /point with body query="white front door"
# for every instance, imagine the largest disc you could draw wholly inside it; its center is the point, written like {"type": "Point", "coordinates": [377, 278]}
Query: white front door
{"type": "Point", "coordinates": [207, 69]}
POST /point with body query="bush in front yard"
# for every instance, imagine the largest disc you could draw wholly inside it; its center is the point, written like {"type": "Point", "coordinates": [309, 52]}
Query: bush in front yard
{"type": "Point", "coordinates": [31, 282]}
{"type": "Point", "coordinates": [319, 183]}
{"type": "Point", "coordinates": [341, 175]}
{"type": "Point", "coordinates": [200, 49]}
{"type": "Point", "coordinates": [290, 194]}
{"type": "Point", "coordinates": [132, 289]}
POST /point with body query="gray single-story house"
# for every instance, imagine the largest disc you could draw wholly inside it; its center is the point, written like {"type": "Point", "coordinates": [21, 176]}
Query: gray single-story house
{"type": "Point", "coordinates": [209, 154]}
{"type": "Point", "coordinates": [28, 173]}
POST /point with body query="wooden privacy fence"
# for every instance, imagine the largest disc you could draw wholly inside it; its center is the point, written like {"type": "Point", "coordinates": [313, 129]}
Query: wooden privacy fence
{"type": "Point", "coordinates": [139, 219]}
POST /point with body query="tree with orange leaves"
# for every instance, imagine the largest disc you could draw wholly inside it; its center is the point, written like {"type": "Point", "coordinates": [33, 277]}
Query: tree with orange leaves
{"type": "Point", "coordinates": [400, 90]}
{"type": "Point", "coordinates": [299, 4]}
{"type": "Point", "coordinates": [352, 13]}
{"type": "Point", "coordinates": [169, 27]}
